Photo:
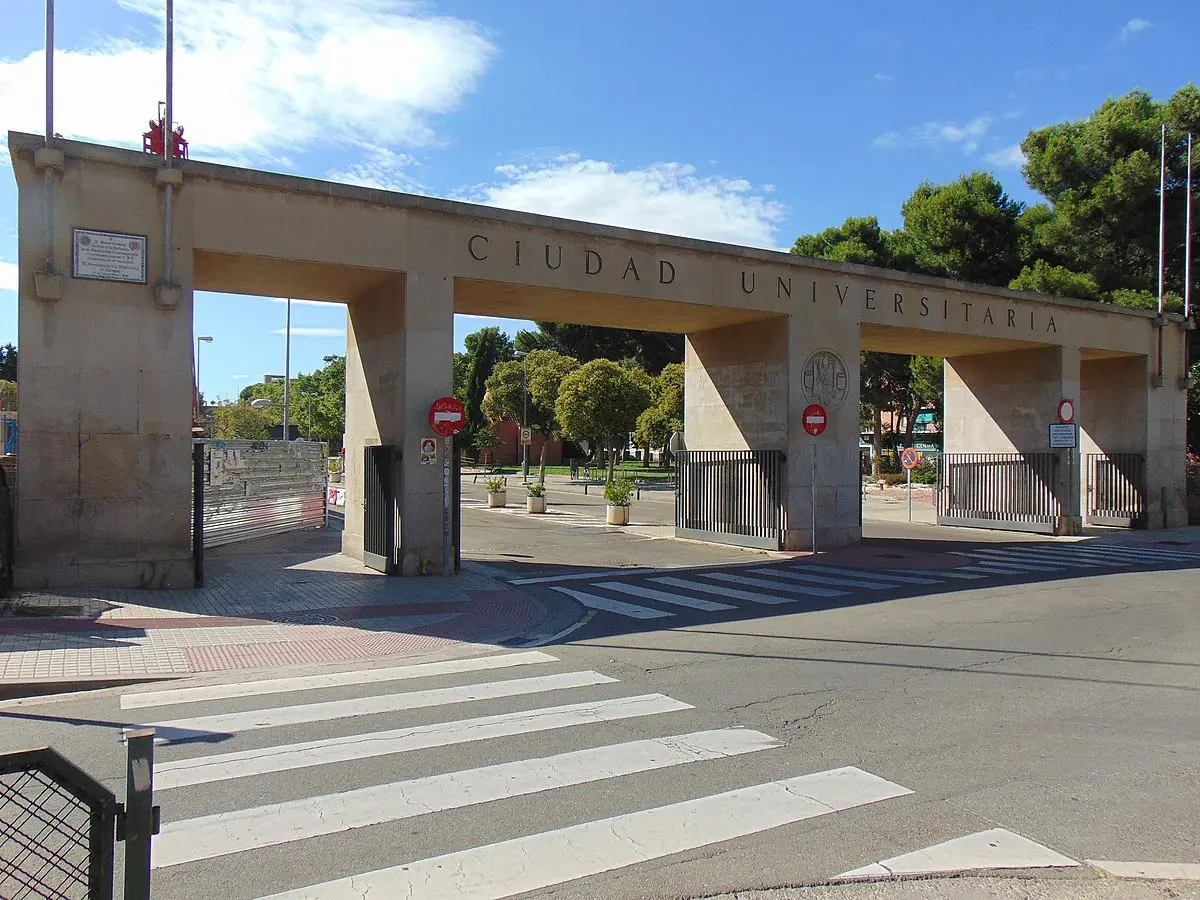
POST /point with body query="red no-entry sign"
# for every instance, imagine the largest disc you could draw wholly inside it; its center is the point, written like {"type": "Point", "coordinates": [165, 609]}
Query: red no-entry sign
{"type": "Point", "coordinates": [447, 416]}
{"type": "Point", "coordinates": [814, 418]}
{"type": "Point", "coordinates": [1066, 411]}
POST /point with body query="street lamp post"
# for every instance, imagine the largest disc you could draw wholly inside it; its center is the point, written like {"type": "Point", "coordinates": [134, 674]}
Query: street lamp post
{"type": "Point", "coordinates": [206, 338]}
{"type": "Point", "coordinates": [287, 369]}
{"type": "Point", "coordinates": [523, 355]}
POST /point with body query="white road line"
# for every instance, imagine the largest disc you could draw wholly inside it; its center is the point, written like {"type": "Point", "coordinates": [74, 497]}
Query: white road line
{"type": "Point", "coordinates": [857, 573]}
{"type": "Point", "coordinates": [1140, 557]}
{"type": "Point", "coordinates": [1185, 555]}
{"type": "Point", "coordinates": [793, 575]}
{"type": "Point", "coordinates": [1062, 557]}
{"type": "Point", "coordinates": [280, 823]}
{"type": "Point", "coordinates": [996, 570]}
{"type": "Point", "coordinates": [991, 849]}
{"type": "Point", "coordinates": [1151, 870]}
{"type": "Point", "coordinates": [332, 679]}
{"type": "Point", "coordinates": [636, 590]}
{"type": "Point", "coordinates": [732, 593]}
{"type": "Point", "coordinates": [495, 871]}
{"type": "Point", "coordinates": [251, 720]}
{"type": "Point", "coordinates": [224, 766]}
{"type": "Point", "coordinates": [776, 585]}
{"type": "Point", "coordinates": [1002, 562]}
{"type": "Point", "coordinates": [618, 607]}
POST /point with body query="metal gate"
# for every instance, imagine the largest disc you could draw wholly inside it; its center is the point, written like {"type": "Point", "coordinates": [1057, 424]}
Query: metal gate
{"type": "Point", "coordinates": [380, 472]}
{"type": "Point", "coordinates": [1012, 491]}
{"type": "Point", "coordinates": [1116, 489]}
{"type": "Point", "coordinates": [731, 496]}
{"type": "Point", "coordinates": [254, 489]}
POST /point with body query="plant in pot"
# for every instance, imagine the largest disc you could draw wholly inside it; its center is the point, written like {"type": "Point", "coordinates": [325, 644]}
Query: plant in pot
{"type": "Point", "coordinates": [497, 491]}
{"type": "Point", "coordinates": [618, 494]}
{"type": "Point", "coordinates": [536, 501]}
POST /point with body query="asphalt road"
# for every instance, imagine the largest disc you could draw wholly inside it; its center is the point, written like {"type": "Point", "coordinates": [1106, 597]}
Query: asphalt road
{"type": "Point", "coordinates": [1062, 706]}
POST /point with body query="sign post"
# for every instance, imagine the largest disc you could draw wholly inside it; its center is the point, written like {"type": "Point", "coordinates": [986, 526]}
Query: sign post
{"type": "Point", "coordinates": [909, 459]}
{"type": "Point", "coordinates": [447, 416]}
{"type": "Point", "coordinates": [814, 418]}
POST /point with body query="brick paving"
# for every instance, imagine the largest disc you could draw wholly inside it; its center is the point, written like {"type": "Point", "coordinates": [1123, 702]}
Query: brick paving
{"type": "Point", "coordinates": [280, 601]}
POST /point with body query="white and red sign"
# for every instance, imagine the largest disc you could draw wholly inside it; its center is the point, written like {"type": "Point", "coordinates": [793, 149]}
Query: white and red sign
{"type": "Point", "coordinates": [447, 416]}
{"type": "Point", "coordinates": [1066, 411]}
{"type": "Point", "coordinates": [814, 418]}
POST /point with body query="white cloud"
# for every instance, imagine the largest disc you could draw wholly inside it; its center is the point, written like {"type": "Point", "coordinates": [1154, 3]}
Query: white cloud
{"type": "Point", "coordinates": [257, 76]}
{"type": "Point", "coordinates": [8, 276]}
{"type": "Point", "coordinates": [885, 79]}
{"type": "Point", "coordinates": [380, 168]}
{"type": "Point", "coordinates": [666, 197]}
{"type": "Point", "coordinates": [931, 134]}
{"type": "Point", "coordinates": [1132, 27]}
{"type": "Point", "coordinates": [312, 332]}
{"type": "Point", "coordinates": [1006, 157]}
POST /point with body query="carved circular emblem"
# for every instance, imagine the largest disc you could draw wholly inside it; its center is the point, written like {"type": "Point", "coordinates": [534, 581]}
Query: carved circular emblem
{"type": "Point", "coordinates": [825, 379]}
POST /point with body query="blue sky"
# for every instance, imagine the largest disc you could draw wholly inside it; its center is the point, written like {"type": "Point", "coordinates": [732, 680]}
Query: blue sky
{"type": "Point", "coordinates": [749, 123]}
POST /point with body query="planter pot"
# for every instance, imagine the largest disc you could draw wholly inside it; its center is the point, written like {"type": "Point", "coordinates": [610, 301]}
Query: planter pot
{"type": "Point", "coordinates": [335, 477]}
{"type": "Point", "coordinates": [617, 515]}
{"type": "Point", "coordinates": [498, 499]}
{"type": "Point", "coordinates": [535, 504]}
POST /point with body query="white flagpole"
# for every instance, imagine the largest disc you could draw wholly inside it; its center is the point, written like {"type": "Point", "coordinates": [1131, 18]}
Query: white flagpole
{"type": "Point", "coordinates": [1162, 216]}
{"type": "Point", "coordinates": [1187, 252]}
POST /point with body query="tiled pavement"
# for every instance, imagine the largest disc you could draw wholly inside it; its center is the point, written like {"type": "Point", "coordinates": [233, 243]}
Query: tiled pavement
{"type": "Point", "coordinates": [281, 601]}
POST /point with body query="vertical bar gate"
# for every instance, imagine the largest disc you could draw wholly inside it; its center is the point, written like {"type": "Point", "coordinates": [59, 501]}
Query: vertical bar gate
{"type": "Point", "coordinates": [1116, 489]}
{"type": "Point", "coordinates": [379, 504]}
{"type": "Point", "coordinates": [1012, 491]}
{"type": "Point", "coordinates": [731, 497]}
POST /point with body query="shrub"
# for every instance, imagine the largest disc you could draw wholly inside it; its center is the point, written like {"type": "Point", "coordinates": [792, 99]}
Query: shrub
{"type": "Point", "coordinates": [536, 489]}
{"type": "Point", "coordinates": [496, 485]}
{"type": "Point", "coordinates": [1192, 468]}
{"type": "Point", "coordinates": [619, 492]}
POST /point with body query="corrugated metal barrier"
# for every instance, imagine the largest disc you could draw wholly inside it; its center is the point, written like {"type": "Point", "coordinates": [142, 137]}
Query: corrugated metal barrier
{"type": "Point", "coordinates": [255, 489]}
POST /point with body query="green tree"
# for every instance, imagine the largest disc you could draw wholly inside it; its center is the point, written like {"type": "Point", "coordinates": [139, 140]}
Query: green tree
{"type": "Point", "coordinates": [665, 414]}
{"type": "Point", "coordinates": [967, 229]}
{"type": "Point", "coordinates": [240, 421]}
{"type": "Point", "coordinates": [885, 384]}
{"type": "Point", "coordinates": [651, 349]}
{"type": "Point", "coordinates": [927, 381]}
{"type": "Point", "coordinates": [485, 348]}
{"type": "Point", "coordinates": [508, 390]}
{"type": "Point", "coordinates": [1057, 281]}
{"type": "Point", "coordinates": [857, 240]}
{"type": "Point", "coordinates": [603, 400]}
{"type": "Point", "coordinates": [318, 401]}
{"type": "Point", "coordinates": [8, 363]}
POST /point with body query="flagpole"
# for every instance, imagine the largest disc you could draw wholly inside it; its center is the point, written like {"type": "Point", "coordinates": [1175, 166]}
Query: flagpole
{"type": "Point", "coordinates": [1162, 216]}
{"type": "Point", "coordinates": [1187, 252]}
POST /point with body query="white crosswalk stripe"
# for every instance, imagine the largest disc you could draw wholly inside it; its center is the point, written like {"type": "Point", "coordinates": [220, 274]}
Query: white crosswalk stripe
{"type": "Point", "coordinates": [620, 607]}
{"type": "Point", "coordinates": [693, 585]}
{"type": "Point", "coordinates": [221, 832]}
{"type": "Point", "coordinates": [774, 585]}
{"type": "Point", "coordinates": [843, 581]}
{"type": "Point", "coordinates": [881, 576]}
{"type": "Point", "coordinates": [646, 593]}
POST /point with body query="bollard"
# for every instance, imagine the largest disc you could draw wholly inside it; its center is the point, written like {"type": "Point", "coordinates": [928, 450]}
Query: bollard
{"type": "Point", "coordinates": [141, 815]}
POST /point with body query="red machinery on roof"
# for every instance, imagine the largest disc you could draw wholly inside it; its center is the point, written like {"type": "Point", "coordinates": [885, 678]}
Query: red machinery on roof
{"type": "Point", "coordinates": [152, 140]}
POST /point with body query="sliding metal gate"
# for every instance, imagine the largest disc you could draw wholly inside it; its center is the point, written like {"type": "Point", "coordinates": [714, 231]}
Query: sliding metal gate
{"type": "Point", "coordinates": [1011, 491]}
{"type": "Point", "coordinates": [1116, 489]}
{"type": "Point", "coordinates": [731, 496]}
{"type": "Point", "coordinates": [253, 489]}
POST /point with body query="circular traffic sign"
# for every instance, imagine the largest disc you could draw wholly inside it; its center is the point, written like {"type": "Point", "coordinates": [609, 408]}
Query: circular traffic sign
{"type": "Point", "coordinates": [1066, 411]}
{"type": "Point", "coordinates": [814, 418]}
{"type": "Point", "coordinates": [447, 416]}
{"type": "Point", "coordinates": [909, 458]}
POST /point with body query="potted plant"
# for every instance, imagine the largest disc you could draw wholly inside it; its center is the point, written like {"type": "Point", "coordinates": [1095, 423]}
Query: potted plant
{"type": "Point", "coordinates": [536, 501]}
{"type": "Point", "coordinates": [335, 470]}
{"type": "Point", "coordinates": [618, 494]}
{"type": "Point", "coordinates": [497, 491]}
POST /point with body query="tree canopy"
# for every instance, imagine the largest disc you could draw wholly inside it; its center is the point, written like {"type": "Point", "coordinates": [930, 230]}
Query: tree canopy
{"type": "Point", "coordinates": [601, 399]}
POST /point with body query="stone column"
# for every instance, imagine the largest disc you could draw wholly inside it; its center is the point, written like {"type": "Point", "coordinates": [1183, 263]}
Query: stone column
{"type": "Point", "coordinates": [104, 472]}
{"type": "Point", "coordinates": [1005, 403]}
{"type": "Point", "coordinates": [1166, 437]}
{"type": "Point", "coordinates": [823, 368]}
{"type": "Point", "coordinates": [399, 349]}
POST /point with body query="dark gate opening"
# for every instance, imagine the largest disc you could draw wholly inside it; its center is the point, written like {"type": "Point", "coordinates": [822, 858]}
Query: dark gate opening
{"type": "Point", "coordinates": [379, 508]}
{"type": "Point", "coordinates": [731, 497]}
{"type": "Point", "coordinates": [1116, 489]}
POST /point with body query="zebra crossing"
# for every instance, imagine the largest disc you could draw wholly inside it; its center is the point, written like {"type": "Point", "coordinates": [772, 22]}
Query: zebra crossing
{"type": "Point", "coordinates": [247, 766]}
{"type": "Point", "coordinates": [733, 590]}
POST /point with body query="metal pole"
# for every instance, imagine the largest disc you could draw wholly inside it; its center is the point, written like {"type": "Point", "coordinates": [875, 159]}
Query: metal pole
{"type": "Point", "coordinates": [908, 484]}
{"type": "Point", "coordinates": [198, 452]}
{"type": "Point", "coordinates": [140, 812]}
{"type": "Point", "coordinates": [197, 381]}
{"type": "Point", "coordinates": [814, 496]}
{"type": "Point", "coordinates": [49, 71]}
{"type": "Point", "coordinates": [1162, 217]}
{"type": "Point", "coordinates": [169, 150]}
{"type": "Point", "coordinates": [1187, 252]}
{"type": "Point", "coordinates": [287, 369]}
{"type": "Point", "coordinates": [447, 449]}
{"type": "Point", "coordinates": [525, 415]}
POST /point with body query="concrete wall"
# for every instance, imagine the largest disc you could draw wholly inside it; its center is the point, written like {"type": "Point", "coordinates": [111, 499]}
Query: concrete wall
{"type": "Point", "coordinates": [106, 386]}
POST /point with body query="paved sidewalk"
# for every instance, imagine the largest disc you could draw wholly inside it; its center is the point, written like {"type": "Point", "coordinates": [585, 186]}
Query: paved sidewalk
{"type": "Point", "coordinates": [287, 600]}
{"type": "Point", "coordinates": [996, 887]}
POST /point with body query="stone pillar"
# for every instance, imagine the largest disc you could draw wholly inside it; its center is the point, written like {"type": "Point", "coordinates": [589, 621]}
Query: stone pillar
{"type": "Point", "coordinates": [104, 471]}
{"type": "Point", "coordinates": [399, 350]}
{"type": "Point", "coordinates": [823, 368]}
{"type": "Point", "coordinates": [1005, 403]}
{"type": "Point", "coordinates": [1166, 437]}
{"type": "Point", "coordinates": [1113, 406]}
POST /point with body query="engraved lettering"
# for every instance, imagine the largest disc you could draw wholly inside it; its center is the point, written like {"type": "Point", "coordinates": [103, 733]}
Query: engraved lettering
{"type": "Point", "coordinates": [924, 306]}
{"type": "Point", "coordinates": [518, 255]}
{"type": "Point", "coordinates": [870, 298]}
{"type": "Point", "coordinates": [748, 290]}
{"type": "Point", "coordinates": [663, 268]}
{"type": "Point", "coordinates": [1031, 320]}
{"type": "Point", "coordinates": [987, 316]}
{"type": "Point", "coordinates": [898, 304]}
{"type": "Point", "coordinates": [1052, 326]}
{"type": "Point", "coordinates": [842, 297]}
{"type": "Point", "coordinates": [631, 267]}
{"type": "Point", "coordinates": [945, 309]}
{"type": "Point", "coordinates": [784, 287]}
{"type": "Point", "coordinates": [471, 247]}
{"type": "Point", "coordinates": [814, 292]}
{"type": "Point", "coordinates": [1012, 314]}
{"type": "Point", "coordinates": [588, 257]}
{"type": "Point", "coordinates": [967, 312]}
{"type": "Point", "coordinates": [557, 264]}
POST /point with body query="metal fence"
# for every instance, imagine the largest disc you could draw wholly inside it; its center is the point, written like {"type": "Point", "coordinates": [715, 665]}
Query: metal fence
{"type": "Point", "coordinates": [1015, 491]}
{"type": "Point", "coordinates": [731, 496]}
{"type": "Point", "coordinates": [7, 534]}
{"type": "Point", "coordinates": [1116, 489]}
{"type": "Point", "coordinates": [255, 489]}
